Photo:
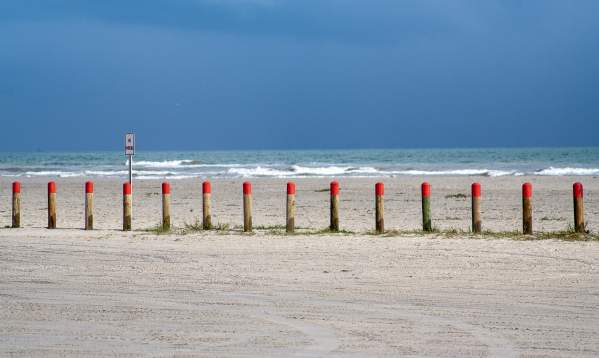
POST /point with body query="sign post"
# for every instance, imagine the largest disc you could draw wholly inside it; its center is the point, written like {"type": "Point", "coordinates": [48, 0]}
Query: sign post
{"type": "Point", "coordinates": [130, 152]}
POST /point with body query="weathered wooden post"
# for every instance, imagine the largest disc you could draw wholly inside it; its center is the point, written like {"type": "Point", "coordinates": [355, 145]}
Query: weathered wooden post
{"type": "Point", "coordinates": [334, 206]}
{"type": "Point", "coordinates": [290, 207]}
{"type": "Point", "coordinates": [578, 208]}
{"type": "Point", "coordinates": [16, 204]}
{"type": "Point", "coordinates": [89, 205]}
{"type": "Point", "coordinates": [247, 206]}
{"type": "Point", "coordinates": [127, 206]}
{"type": "Point", "coordinates": [426, 207]}
{"type": "Point", "coordinates": [166, 206]}
{"type": "Point", "coordinates": [476, 219]}
{"type": "Point", "coordinates": [206, 205]}
{"type": "Point", "coordinates": [527, 208]}
{"type": "Point", "coordinates": [51, 205]}
{"type": "Point", "coordinates": [379, 192]}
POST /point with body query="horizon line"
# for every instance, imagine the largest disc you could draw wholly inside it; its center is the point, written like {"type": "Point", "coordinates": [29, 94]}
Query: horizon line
{"type": "Point", "coordinates": [296, 150]}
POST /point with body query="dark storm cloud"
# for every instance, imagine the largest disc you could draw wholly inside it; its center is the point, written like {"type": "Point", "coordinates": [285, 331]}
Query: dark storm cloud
{"type": "Point", "coordinates": [264, 74]}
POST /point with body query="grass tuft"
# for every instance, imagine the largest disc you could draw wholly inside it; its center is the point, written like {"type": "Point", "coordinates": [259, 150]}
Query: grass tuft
{"type": "Point", "coordinates": [456, 196]}
{"type": "Point", "coordinates": [327, 231]}
{"type": "Point", "coordinates": [270, 227]}
{"type": "Point", "coordinates": [158, 229]}
{"type": "Point", "coordinates": [221, 227]}
{"type": "Point", "coordinates": [191, 228]}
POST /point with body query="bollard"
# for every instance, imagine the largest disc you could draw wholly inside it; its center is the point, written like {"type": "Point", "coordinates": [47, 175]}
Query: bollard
{"type": "Point", "coordinates": [426, 207]}
{"type": "Point", "coordinates": [476, 219]}
{"type": "Point", "coordinates": [89, 205]}
{"type": "Point", "coordinates": [16, 204]}
{"type": "Point", "coordinates": [247, 207]}
{"type": "Point", "coordinates": [578, 208]}
{"type": "Point", "coordinates": [379, 192]}
{"type": "Point", "coordinates": [334, 206]}
{"type": "Point", "coordinates": [206, 206]}
{"type": "Point", "coordinates": [290, 207]}
{"type": "Point", "coordinates": [166, 206]}
{"type": "Point", "coordinates": [527, 208]}
{"type": "Point", "coordinates": [51, 205]}
{"type": "Point", "coordinates": [127, 207]}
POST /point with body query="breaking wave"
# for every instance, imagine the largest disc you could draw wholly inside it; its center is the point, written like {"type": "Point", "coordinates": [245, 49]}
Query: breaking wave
{"type": "Point", "coordinates": [178, 164]}
{"type": "Point", "coordinates": [183, 169]}
{"type": "Point", "coordinates": [568, 171]}
{"type": "Point", "coordinates": [300, 171]}
{"type": "Point", "coordinates": [167, 164]}
{"type": "Point", "coordinates": [461, 172]}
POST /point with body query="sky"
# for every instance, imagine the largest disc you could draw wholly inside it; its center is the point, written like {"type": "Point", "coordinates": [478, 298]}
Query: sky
{"type": "Point", "coordinates": [298, 74]}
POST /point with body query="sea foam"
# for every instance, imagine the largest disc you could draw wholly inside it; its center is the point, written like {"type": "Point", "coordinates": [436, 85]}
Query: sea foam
{"type": "Point", "coordinates": [568, 171]}
{"type": "Point", "coordinates": [308, 163]}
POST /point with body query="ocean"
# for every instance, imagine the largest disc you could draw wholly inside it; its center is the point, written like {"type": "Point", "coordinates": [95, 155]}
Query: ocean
{"type": "Point", "coordinates": [307, 163]}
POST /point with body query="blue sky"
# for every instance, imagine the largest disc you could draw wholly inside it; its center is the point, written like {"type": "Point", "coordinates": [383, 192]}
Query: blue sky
{"type": "Point", "coordinates": [266, 74]}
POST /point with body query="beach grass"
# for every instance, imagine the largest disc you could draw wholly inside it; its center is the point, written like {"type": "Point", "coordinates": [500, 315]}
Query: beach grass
{"type": "Point", "coordinates": [158, 229]}
{"type": "Point", "coordinates": [456, 196]}
{"type": "Point", "coordinates": [567, 234]}
{"type": "Point", "coordinates": [191, 228]}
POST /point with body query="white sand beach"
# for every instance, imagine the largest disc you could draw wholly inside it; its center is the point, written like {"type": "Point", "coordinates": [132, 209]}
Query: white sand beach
{"type": "Point", "coordinates": [450, 202]}
{"type": "Point", "coordinates": [69, 292]}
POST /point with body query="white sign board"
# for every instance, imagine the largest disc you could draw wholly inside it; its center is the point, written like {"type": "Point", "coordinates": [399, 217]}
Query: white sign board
{"type": "Point", "coordinates": [129, 144]}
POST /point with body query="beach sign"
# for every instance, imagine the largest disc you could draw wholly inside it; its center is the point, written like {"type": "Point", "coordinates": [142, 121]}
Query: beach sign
{"type": "Point", "coordinates": [130, 152]}
{"type": "Point", "coordinates": [129, 144]}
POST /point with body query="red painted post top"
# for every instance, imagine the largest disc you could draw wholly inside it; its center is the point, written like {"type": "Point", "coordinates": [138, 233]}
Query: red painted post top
{"type": "Point", "coordinates": [476, 192]}
{"type": "Point", "coordinates": [51, 187]}
{"type": "Point", "coordinates": [291, 188]}
{"type": "Point", "coordinates": [89, 187]}
{"type": "Point", "coordinates": [247, 188]}
{"type": "Point", "coordinates": [578, 190]}
{"type": "Point", "coordinates": [334, 188]}
{"type": "Point", "coordinates": [527, 190]}
{"type": "Point", "coordinates": [16, 187]}
{"type": "Point", "coordinates": [206, 188]}
{"type": "Point", "coordinates": [126, 188]}
{"type": "Point", "coordinates": [166, 188]}
{"type": "Point", "coordinates": [426, 190]}
{"type": "Point", "coordinates": [379, 189]}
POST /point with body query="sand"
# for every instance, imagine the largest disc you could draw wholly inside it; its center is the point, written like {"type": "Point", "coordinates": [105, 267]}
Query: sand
{"type": "Point", "coordinates": [68, 292]}
{"type": "Point", "coordinates": [501, 205]}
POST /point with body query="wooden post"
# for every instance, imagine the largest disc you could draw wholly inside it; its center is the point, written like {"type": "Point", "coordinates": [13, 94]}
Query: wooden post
{"type": "Point", "coordinates": [166, 206]}
{"type": "Point", "coordinates": [379, 192]}
{"type": "Point", "coordinates": [527, 208]}
{"type": "Point", "coordinates": [290, 207]}
{"type": "Point", "coordinates": [51, 205]}
{"type": "Point", "coordinates": [578, 208]}
{"type": "Point", "coordinates": [334, 206]}
{"type": "Point", "coordinates": [16, 204]}
{"type": "Point", "coordinates": [426, 207]}
{"type": "Point", "coordinates": [247, 207]}
{"type": "Point", "coordinates": [127, 207]}
{"type": "Point", "coordinates": [89, 205]}
{"type": "Point", "coordinates": [476, 219]}
{"type": "Point", "coordinates": [206, 205]}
